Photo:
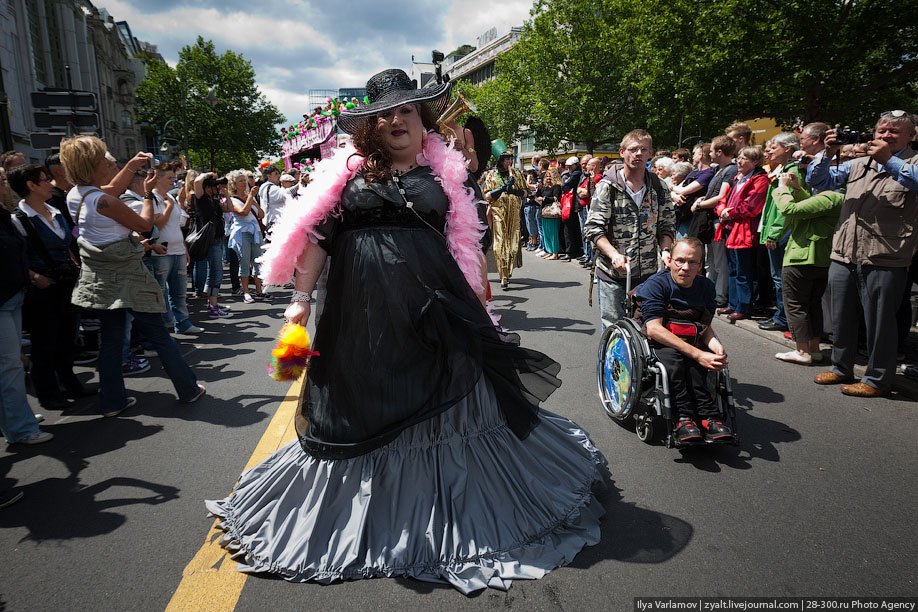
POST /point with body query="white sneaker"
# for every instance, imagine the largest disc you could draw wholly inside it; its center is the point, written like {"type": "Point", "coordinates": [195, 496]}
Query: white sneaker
{"type": "Point", "coordinates": [795, 357]}
{"type": "Point", "coordinates": [36, 438]}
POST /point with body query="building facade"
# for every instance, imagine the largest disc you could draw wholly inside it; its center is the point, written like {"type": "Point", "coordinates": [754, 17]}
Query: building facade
{"type": "Point", "coordinates": [39, 39]}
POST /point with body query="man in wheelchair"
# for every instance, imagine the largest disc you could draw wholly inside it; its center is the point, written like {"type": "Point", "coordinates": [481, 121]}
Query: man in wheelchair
{"type": "Point", "coordinates": [676, 307]}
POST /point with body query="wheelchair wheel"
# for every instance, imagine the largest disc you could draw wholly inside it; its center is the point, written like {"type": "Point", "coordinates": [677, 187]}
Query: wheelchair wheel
{"type": "Point", "coordinates": [644, 427]}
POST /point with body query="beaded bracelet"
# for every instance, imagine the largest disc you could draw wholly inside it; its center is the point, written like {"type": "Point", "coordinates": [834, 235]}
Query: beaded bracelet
{"type": "Point", "coordinates": [302, 296]}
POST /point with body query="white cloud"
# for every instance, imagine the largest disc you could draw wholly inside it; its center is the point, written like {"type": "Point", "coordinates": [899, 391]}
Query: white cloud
{"type": "Point", "coordinates": [285, 48]}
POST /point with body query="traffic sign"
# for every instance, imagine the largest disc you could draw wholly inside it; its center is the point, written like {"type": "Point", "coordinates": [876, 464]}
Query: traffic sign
{"type": "Point", "coordinates": [76, 100]}
{"type": "Point", "coordinates": [60, 120]}
{"type": "Point", "coordinates": [44, 140]}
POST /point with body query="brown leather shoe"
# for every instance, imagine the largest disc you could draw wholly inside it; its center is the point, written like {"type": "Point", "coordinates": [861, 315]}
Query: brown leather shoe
{"type": "Point", "coordinates": [831, 378]}
{"type": "Point", "coordinates": [862, 390]}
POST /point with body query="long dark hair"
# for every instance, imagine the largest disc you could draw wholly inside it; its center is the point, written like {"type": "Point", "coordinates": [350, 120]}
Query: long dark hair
{"type": "Point", "coordinates": [369, 143]}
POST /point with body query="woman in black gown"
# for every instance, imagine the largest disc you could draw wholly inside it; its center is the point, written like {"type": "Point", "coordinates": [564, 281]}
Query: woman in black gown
{"type": "Point", "coordinates": [422, 451]}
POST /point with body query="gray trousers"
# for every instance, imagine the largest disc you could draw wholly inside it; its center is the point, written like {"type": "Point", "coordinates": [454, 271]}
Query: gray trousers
{"type": "Point", "coordinates": [879, 291]}
{"type": "Point", "coordinates": [717, 270]}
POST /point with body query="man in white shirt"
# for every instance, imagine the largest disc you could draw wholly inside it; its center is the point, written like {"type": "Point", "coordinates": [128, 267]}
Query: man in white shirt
{"type": "Point", "coordinates": [271, 196]}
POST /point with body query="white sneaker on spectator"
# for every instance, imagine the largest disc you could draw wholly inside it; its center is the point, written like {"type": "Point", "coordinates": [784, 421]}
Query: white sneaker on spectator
{"type": "Point", "coordinates": [36, 438]}
{"type": "Point", "coordinates": [795, 357]}
{"type": "Point", "coordinates": [248, 299]}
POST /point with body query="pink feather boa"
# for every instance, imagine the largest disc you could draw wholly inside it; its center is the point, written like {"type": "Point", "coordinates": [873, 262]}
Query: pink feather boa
{"type": "Point", "coordinates": [295, 230]}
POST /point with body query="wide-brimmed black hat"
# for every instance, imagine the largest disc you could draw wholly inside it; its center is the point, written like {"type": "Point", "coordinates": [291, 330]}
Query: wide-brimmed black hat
{"type": "Point", "coordinates": [390, 89]}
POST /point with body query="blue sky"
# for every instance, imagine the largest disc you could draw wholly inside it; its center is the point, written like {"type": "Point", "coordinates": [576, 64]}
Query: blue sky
{"type": "Point", "coordinates": [297, 45]}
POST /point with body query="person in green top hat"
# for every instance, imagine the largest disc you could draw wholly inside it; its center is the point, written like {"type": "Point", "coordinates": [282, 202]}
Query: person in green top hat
{"type": "Point", "coordinates": [504, 190]}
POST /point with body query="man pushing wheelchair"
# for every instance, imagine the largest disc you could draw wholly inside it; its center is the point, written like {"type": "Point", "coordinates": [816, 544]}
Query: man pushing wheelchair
{"type": "Point", "coordinates": [676, 306]}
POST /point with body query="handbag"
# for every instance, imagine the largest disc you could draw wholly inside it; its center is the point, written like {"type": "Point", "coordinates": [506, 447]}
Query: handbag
{"type": "Point", "coordinates": [567, 201]}
{"type": "Point", "coordinates": [199, 241]}
{"type": "Point", "coordinates": [551, 211]}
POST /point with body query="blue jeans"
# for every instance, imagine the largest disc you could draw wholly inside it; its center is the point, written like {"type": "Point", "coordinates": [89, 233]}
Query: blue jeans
{"type": "Point", "coordinates": [169, 272]}
{"type": "Point", "coordinates": [531, 223]}
{"type": "Point", "coordinates": [741, 263]}
{"type": "Point", "coordinates": [776, 260]}
{"type": "Point", "coordinates": [682, 228]}
{"type": "Point", "coordinates": [612, 305]}
{"type": "Point", "coordinates": [150, 324]}
{"type": "Point", "coordinates": [541, 231]}
{"type": "Point", "coordinates": [214, 261]}
{"type": "Point", "coordinates": [248, 253]}
{"type": "Point", "coordinates": [587, 245]}
{"type": "Point", "coordinates": [199, 275]}
{"type": "Point", "coordinates": [17, 421]}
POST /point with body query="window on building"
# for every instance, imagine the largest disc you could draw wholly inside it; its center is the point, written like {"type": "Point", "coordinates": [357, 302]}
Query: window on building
{"type": "Point", "coordinates": [126, 121]}
{"type": "Point", "coordinates": [36, 36]}
{"type": "Point", "coordinates": [527, 144]}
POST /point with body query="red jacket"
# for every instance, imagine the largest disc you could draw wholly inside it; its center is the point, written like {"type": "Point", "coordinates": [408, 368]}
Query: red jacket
{"type": "Point", "coordinates": [745, 209]}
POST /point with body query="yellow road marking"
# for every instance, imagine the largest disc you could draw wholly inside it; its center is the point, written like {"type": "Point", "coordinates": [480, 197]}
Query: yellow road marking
{"type": "Point", "coordinates": [210, 582]}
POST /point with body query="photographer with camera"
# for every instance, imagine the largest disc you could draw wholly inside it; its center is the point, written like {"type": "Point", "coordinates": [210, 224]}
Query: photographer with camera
{"type": "Point", "coordinates": [209, 210]}
{"type": "Point", "coordinates": [872, 248]}
{"type": "Point", "coordinates": [48, 314]}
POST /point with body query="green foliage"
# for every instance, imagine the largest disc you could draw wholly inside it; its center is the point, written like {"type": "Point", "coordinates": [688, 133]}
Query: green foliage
{"type": "Point", "coordinates": [235, 133]}
{"type": "Point", "coordinates": [591, 71]}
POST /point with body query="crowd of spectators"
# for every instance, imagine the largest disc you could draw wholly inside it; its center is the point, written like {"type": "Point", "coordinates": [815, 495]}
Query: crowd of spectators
{"type": "Point", "coordinates": [815, 239]}
{"type": "Point", "coordinates": [97, 269]}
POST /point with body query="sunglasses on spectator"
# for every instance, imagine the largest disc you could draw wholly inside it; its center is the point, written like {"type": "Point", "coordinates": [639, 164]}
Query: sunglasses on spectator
{"type": "Point", "coordinates": [894, 113]}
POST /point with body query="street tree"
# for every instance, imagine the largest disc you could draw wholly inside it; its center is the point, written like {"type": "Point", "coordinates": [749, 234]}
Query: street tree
{"type": "Point", "coordinates": [590, 71]}
{"type": "Point", "coordinates": [214, 106]}
{"type": "Point", "coordinates": [563, 81]}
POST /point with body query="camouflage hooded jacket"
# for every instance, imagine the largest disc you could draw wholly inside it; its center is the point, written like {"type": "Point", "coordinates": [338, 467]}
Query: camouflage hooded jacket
{"type": "Point", "coordinates": [634, 232]}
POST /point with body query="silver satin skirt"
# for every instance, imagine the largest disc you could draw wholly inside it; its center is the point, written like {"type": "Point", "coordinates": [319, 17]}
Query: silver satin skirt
{"type": "Point", "coordinates": [457, 498]}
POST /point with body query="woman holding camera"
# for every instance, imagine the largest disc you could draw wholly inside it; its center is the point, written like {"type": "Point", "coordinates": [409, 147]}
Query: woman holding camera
{"type": "Point", "coordinates": [47, 312]}
{"type": "Point", "coordinates": [245, 237]}
{"type": "Point", "coordinates": [113, 280]}
{"type": "Point", "coordinates": [209, 209]}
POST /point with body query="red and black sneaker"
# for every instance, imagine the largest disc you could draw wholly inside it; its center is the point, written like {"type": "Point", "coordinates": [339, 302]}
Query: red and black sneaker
{"type": "Point", "coordinates": [686, 432]}
{"type": "Point", "coordinates": [715, 431]}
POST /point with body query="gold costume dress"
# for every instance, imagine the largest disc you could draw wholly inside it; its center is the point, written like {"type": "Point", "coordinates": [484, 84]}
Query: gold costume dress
{"type": "Point", "coordinates": [505, 219]}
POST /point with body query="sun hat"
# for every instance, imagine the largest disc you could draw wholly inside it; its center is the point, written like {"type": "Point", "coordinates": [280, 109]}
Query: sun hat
{"type": "Point", "coordinates": [390, 89]}
{"type": "Point", "coordinates": [571, 161]}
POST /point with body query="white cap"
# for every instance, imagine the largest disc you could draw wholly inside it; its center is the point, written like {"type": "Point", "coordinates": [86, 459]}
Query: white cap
{"type": "Point", "coordinates": [287, 177]}
{"type": "Point", "coordinates": [571, 161]}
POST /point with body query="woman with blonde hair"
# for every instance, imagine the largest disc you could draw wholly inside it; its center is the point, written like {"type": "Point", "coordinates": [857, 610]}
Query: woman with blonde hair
{"type": "Point", "coordinates": [245, 237]}
{"type": "Point", "coordinates": [113, 280]}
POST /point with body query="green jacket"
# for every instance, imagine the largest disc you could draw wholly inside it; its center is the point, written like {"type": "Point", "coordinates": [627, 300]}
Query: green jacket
{"type": "Point", "coordinates": [113, 276]}
{"type": "Point", "coordinates": [812, 223]}
{"type": "Point", "coordinates": [773, 226]}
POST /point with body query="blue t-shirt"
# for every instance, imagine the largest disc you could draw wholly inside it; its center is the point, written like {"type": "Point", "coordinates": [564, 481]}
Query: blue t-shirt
{"type": "Point", "coordinates": [661, 290]}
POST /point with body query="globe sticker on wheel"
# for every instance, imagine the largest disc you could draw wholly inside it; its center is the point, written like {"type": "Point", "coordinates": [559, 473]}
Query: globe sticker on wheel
{"type": "Point", "coordinates": [617, 369]}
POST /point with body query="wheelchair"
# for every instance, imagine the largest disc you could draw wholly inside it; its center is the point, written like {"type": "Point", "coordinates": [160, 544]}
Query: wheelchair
{"type": "Point", "coordinates": [634, 385]}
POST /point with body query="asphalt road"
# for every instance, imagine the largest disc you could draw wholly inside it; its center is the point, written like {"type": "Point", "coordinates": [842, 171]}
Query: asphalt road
{"type": "Point", "coordinates": [818, 499]}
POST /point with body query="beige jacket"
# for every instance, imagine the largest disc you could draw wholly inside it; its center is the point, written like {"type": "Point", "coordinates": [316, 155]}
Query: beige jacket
{"type": "Point", "coordinates": [878, 218]}
{"type": "Point", "coordinates": [113, 276]}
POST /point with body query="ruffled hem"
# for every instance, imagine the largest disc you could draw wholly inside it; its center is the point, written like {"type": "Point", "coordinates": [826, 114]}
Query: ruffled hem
{"type": "Point", "coordinates": [527, 561]}
{"type": "Point", "coordinates": [472, 506]}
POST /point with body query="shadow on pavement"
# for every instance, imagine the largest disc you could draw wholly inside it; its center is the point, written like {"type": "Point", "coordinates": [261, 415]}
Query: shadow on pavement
{"type": "Point", "coordinates": [209, 409]}
{"type": "Point", "coordinates": [629, 533]}
{"type": "Point", "coordinates": [78, 514]}
{"type": "Point", "coordinates": [758, 439]}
